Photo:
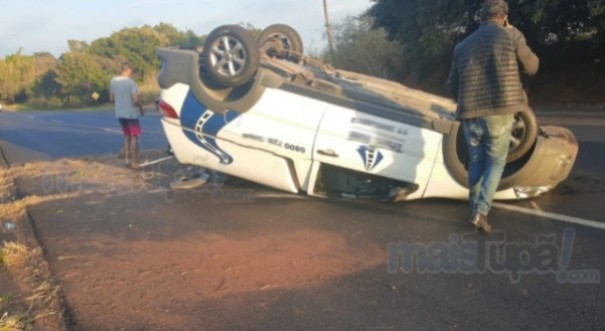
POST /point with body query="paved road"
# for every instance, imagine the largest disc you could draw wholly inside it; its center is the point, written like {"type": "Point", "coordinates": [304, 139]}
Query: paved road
{"type": "Point", "coordinates": [247, 258]}
{"type": "Point", "coordinates": [31, 136]}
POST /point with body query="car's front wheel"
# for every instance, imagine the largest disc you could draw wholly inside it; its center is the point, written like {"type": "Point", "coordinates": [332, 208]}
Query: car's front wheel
{"type": "Point", "coordinates": [523, 135]}
{"type": "Point", "coordinates": [231, 56]}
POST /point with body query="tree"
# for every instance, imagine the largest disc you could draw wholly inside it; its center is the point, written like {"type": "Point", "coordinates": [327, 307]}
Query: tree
{"type": "Point", "coordinates": [426, 29]}
{"type": "Point", "coordinates": [136, 45]}
{"type": "Point", "coordinates": [360, 48]}
{"type": "Point", "coordinates": [17, 75]}
{"type": "Point", "coordinates": [77, 45]}
{"type": "Point", "coordinates": [558, 30]}
{"type": "Point", "coordinates": [80, 74]}
{"type": "Point", "coordinates": [187, 39]}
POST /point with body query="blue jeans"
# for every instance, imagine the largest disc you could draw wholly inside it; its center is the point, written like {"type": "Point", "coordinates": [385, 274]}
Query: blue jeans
{"type": "Point", "coordinates": [488, 139]}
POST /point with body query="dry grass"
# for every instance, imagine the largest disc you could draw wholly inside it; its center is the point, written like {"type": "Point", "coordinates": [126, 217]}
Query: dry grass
{"type": "Point", "coordinates": [104, 175]}
{"type": "Point", "coordinates": [28, 266]}
{"type": "Point", "coordinates": [16, 322]}
{"type": "Point", "coordinates": [26, 262]}
{"type": "Point", "coordinates": [13, 254]}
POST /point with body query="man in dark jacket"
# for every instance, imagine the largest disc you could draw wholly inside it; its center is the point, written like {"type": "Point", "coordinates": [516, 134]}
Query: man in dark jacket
{"type": "Point", "coordinates": [485, 81]}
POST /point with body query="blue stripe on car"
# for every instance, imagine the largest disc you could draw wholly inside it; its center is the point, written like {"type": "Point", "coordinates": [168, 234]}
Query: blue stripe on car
{"type": "Point", "coordinates": [206, 126]}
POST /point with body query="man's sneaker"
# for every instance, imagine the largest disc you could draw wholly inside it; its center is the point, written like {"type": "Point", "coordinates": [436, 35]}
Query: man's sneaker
{"type": "Point", "coordinates": [480, 222]}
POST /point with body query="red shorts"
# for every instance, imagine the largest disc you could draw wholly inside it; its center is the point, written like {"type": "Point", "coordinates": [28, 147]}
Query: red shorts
{"type": "Point", "coordinates": [130, 127]}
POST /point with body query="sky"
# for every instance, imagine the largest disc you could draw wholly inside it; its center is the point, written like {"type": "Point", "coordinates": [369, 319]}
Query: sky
{"type": "Point", "coordinates": [45, 26]}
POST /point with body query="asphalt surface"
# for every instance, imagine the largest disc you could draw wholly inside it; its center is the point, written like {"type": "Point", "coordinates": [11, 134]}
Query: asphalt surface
{"type": "Point", "coordinates": [292, 262]}
{"type": "Point", "coordinates": [41, 135]}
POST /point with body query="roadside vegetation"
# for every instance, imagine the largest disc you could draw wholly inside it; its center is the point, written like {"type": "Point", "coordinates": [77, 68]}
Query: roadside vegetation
{"type": "Point", "coordinates": [79, 77]}
{"type": "Point", "coordinates": [29, 297]}
{"type": "Point", "coordinates": [407, 41]}
{"type": "Point", "coordinates": [36, 299]}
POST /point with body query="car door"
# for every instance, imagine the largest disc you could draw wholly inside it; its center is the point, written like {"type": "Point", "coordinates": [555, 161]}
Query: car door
{"type": "Point", "coordinates": [369, 143]}
{"type": "Point", "coordinates": [278, 134]}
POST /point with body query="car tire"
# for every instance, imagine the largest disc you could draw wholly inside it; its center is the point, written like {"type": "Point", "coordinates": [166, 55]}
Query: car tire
{"type": "Point", "coordinates": [455, 158]}
{"type": "Point", "coordinates": [524, 134]}
{"type": "Point", "coordinates": [231, 56]}
{"type": "Point", "coordinates": [281, 41]}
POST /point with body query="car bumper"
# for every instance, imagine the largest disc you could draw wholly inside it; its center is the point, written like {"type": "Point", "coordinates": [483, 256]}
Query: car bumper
{"type": "Point", "coordinates": [550, 163]}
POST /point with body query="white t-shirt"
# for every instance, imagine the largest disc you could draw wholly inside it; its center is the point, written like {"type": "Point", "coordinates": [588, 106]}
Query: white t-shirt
{"type": "Point", "coordinates": [123, 90]}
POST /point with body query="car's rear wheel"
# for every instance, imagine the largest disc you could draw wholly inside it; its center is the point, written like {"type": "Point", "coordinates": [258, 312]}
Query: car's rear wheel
{"type": "Point", "coordinates": [523, 135]}
{"type": "Point", "coordinates": [231, 56]}
{"type": "Point", "coordinates": [455, 157]}
{"type": "Point", "coordinates": [281, 41]}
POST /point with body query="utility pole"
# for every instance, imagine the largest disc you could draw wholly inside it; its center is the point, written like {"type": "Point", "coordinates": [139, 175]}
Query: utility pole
{"type": "Point", "coordinates": [328, 29]}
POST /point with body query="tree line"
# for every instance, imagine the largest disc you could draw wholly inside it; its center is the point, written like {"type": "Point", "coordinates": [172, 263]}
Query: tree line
{"type": "Point", "coordinates": [567, 35]}
{"type": "Point", "coordinates": [80, 76]}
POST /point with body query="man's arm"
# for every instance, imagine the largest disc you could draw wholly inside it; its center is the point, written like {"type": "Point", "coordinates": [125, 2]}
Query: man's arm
{"type": "Point", "coordinates": [136, 98]}
{"type": "Point", "coordinates": [526, 57]}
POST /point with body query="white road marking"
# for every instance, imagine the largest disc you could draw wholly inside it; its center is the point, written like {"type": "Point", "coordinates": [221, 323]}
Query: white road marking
{"type": "Point", "coordinates": [112, 130]}
{"type": "Point", "coordinates": [536, 212]}
{"type": "Point", "coordinates": [553, 216]}
{"type": "Point", "coordinates": [279, 195]}
{"type": "Point", "coordinates": [151, 132]}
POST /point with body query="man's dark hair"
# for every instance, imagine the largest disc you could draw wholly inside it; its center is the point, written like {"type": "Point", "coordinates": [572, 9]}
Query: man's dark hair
{"type": "Point", "coordinates": [492, 9]}
{"type": "Point", "coordinates": [126, 66]}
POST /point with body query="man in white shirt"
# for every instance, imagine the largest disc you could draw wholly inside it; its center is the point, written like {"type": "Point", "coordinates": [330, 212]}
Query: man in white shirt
{"type": "Point", "coordinates": [125, 94]}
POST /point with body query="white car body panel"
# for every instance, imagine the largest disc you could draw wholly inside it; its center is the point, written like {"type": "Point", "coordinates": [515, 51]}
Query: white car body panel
{"type": "Point", "coordinates": [283, 127]}
{"type": "Point", "coordinates": [264, 139]}
{"type": "Point", "coordinates": [250, 164]}
{"type": "Point", "coordinates": [406, 152]}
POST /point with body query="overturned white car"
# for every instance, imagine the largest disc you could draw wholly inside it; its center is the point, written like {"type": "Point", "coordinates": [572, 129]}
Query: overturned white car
{"type": "Point", "coordinates": [260, 110]}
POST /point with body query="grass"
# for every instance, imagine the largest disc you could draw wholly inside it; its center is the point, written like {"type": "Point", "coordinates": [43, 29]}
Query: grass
{"type": "Point", "coordinates": [16, 322]}
{"type": "Point", "coordinates": [17, 314]}
{"type": "Point", "coordinates": [38, 294]}
{"type": "Point", "coordinates": [13, 254]}
{"type": "Point", "coordinates": [12, 320]}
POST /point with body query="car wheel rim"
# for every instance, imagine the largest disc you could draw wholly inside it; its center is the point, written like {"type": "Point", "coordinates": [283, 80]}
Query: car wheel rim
{"type": "Point", "coordinates": [287, 44]}
{"type": "Point", "coordinates": [282, 45]}
{"type": "Point", "coordinates": [228, 56]}
{"type": "Point", "coordinates": [518, 133]}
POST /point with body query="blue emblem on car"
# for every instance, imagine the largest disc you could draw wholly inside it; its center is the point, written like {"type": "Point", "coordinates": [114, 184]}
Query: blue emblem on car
{"type": "Point", "coordinates": [371, 157]}
{"type": "Point", "coordinates": [204, 126]}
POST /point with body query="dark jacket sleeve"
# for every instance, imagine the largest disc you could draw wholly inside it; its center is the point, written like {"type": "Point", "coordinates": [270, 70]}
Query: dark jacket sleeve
{"type": "Point", "coordinates": [527, 58]}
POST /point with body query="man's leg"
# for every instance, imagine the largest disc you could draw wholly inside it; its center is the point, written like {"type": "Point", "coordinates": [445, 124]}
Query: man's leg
{"type": "Point", "coordinates": [126, 132]}
{"type": "Point", "coordinates": [473, 132]}
{"type": "Point", "coordinates": [134, 148]}
{"type": "Point", "coordinates": [497, 142]}
{"type": "Point", "coordinates": [127, 150]}
{"type": "Point", "coordinates": [135, 130]}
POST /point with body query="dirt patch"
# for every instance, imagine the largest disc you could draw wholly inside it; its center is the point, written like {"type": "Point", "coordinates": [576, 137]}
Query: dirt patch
{"type": "Point", "coordinates": [123, 261]}
{"type": "Point", "coordinates": [30, 297]}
